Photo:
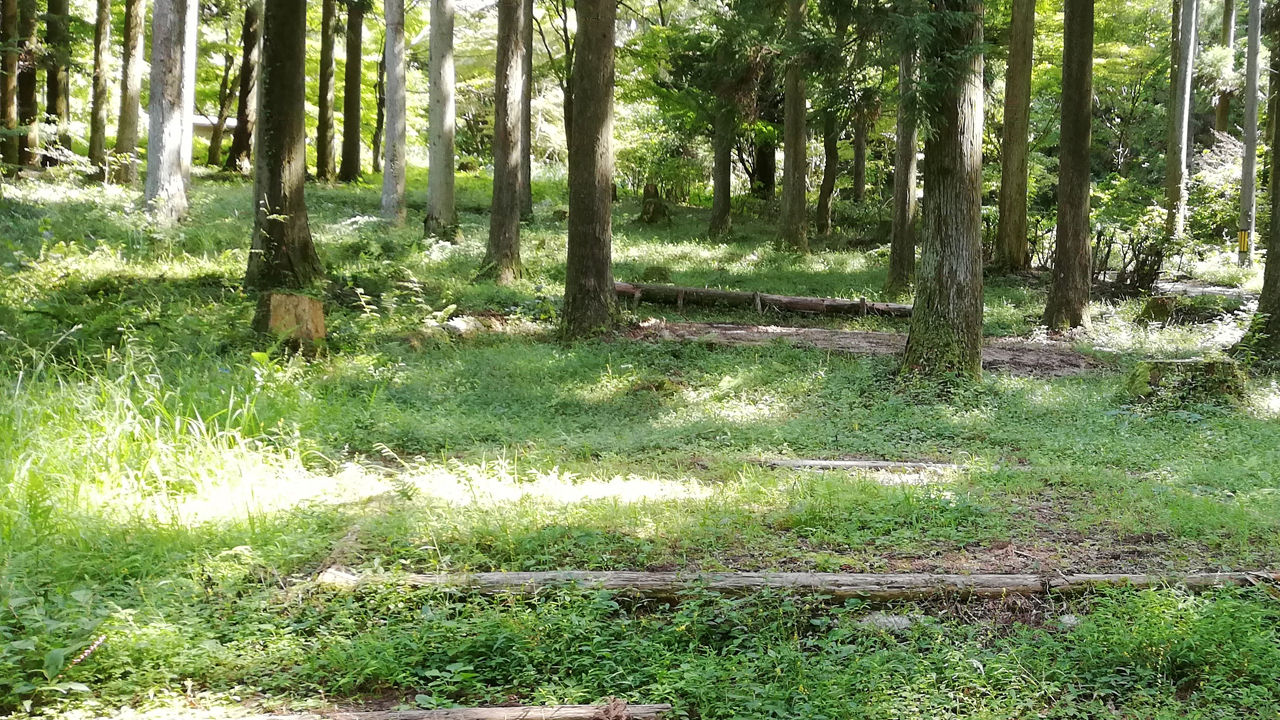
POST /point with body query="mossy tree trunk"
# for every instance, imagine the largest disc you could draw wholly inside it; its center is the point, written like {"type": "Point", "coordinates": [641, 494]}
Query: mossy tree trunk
{"type": "Point", "coordinates": [946, 322]}
{"type": "Point", "coordinates": [28, 102]}
{"type": "Point", "coordinates": [246, 102]}
{"type": "Point", "coordinates": [1011, 252]}
{"type": "Point", "coordinates": [9, 83]}
{"type": "Point", "coordinates": [352, 86]}
{"type": "Point", "coordinates": [589, 292]}
{"type": "Point", "coordinates": [502, 257]}
{"type": "Point", "coordinates": [902, 246]}
{"type": "Point", "coordinates": [441, 109]}
{"type": "Point", "coordinates": [793, 219]}
{"type": "Point", "coordinates": [726, 125]}
{"type": "Point", "coordinates": [393, 172]}
{"type": "Point", "coordinates": [326, 163]}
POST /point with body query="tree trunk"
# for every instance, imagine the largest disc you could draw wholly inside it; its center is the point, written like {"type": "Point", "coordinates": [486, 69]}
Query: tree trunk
{"type": "Point", "coordinates": [224, 101]}
{"type": "Point", "coordinates": [283, 257]}
{"type": "Point", "coordinates": [793, 219]}
{"type": "Point", "coordinates": [99, 102]}
{"type": "Point", "coordinates": [166, 189]}
{"type": "Point", "coordinates": [860, 160]}
{"type": "Point", "coordinates": [1249, 174]}
{"type": "Point", "coordinates": [1262, 340]}
{"type": "Point", "coordinates": [57, 37]}
{"type": "Point", "coordinates": [126, 148]}
{"type": "Point", "coordinates": [526, 122]}
{"type": "Point", "coordinates": [28, 104]}
{"type": "Point", "coordinates": [726, 122]}
{"type": "Point", "coordinates": [589, 293]}
{"type": "Point", "coordinates": [830, 169]}
{"type": "Point", "coordinates": [393, 173]}
{"type": "Point", "coordinates": [1068, 305]}
{"type": "Point", "coordinates": [326, 164]}
{"type": "Point", "coordinates": [1180, 111]}
{"type": "Point", "coordinates": [1222, 106]}
{"type": "Point", "coordinates": [502, 259]}
{"type": "Point", "coordinates": [9, 84]}
{"type": "Point", "coordinates": [765, 183]}
{"type": "Point", "coordinates": [946, 324]}
{"type": "Point", "coordinates": [441, 215]}
{"type": "Point", "coordinates": [1011, 251]}
{"type": "Point", "coordinates": [353, 82]}
{"type": "Point", "coordinates": [246, 103]}
{"type": "Point", "coordinates": [189, 52]}
{"type": "Point", "coordinates": [902, 246]}
{"type": "Point", "coordinates": [380, 110]}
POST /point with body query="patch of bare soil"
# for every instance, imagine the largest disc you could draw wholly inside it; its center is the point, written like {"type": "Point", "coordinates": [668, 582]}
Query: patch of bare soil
{"type": "Point", "coordinates": [1047, 359]}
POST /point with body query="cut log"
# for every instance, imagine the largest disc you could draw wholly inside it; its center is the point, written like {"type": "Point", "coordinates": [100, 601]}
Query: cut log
{"type": "Point", "coordinates": [295, 317]}
{"type": "Point", "coordinates": [520, 712]}
{"type": "Point", "coordinates": [1186, 380]}
{"type": "Point", "coordinates": [653, 210]}
{"type": "Point", "coordinates": [681, 296]}
{"type": "Point", "coordinates": [888, 465]}
{"type": "Point", "coordinates": [870, 587]}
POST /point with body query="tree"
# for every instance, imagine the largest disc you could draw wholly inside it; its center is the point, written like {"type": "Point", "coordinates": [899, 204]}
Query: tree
{"type": "Point", "coordinates": [588, 293]}
{"type": "Point", "coordinates": [246, 102]}
{"type": "Point", "coordinates": [98, 104]}
{"type": "Point", "coordinates": [28, 104]}
{"type": "Point", "coordinates": [380, 109]}
{"type": "Point", "coordinates": [393, 174]}
{"type": "Point", "coordinates": [1068, 304]}
{"type": "Point", "coordinates": [1249, 175]}
{"type": "Point", "coordinates": [283, 256]}
{"type": "Point", "coordinates": [902, 246]}
{"type": "Point", "coordinates": [126, 148]}
{"type": "Point", "coordinates": [1180, 115]}
{"type": "Point", "coordinates": [946, 322]}
{"type": "Point", "coordinates": [168, 163]}
{"type": "Point", "coordinates": [1011, 251]}
{"type": "Point", "coordinates": [1222, 103]}
{"type": "Point", "coordinates": [794, 212]}
{"type": "Point", "coordinates": [326, 165]}
{"type": "Point", "coordinates": [502, 259]}
{"type": "Point", "coordinates": [726, 125]}
{"type": "Point", "coordinates": [57, 38]}
{"type": "Point", "coordinates": [526, 113]}
{"type": "Point", "coordinates": [832, 125]}
{"type": "Point", "coordinates": [353, 82]}
{"type": "Point", "coordinates": [441, 215]}
{"type": "Point", "coordinates": [226, 83]}
{"type": "Point", "coordinates": [9, 83]}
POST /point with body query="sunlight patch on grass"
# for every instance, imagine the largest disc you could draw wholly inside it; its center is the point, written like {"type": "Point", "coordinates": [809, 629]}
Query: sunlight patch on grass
{"type": "Point", "coordinates": [501, 482]}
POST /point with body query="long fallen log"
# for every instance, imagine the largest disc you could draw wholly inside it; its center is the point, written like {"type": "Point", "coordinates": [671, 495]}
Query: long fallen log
{"type": "Point", "coordinates": [681, 296]}
{"type": "Point", "coordinates": [841, 586]}
{"type": "Point", "coordinates": [887, 465]}
{"type": "Point", "coordinates": [613, 711]}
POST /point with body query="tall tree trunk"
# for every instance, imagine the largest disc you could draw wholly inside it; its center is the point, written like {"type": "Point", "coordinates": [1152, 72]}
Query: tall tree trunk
{"type": "Point", "coordinates": [1222, 106]}
{"type": "Point", "coordinates": [99, 104]}
{"type": "Point", "coordinates": [246, 102]}
{"type": "Point", "coordinates": [126, 149]}
{"type": "Point", "coordinates": [765, 185]}
{"type": "Point", "coordinates": [1068, 304]}
{"type": "Point", "coordinates": [902, 246]}
{"type": "Point", "coordinates": [588, 286]}
{"type": "Point", "coordinates": [28, 103]}
{"type": "Point", "coordinates": [860, 160]}
{"type": "Point", "coordinates": [224, 107]}
{"type": "Point", "coordinates": [9, 84]}
{"type": "Point", "coordinates": [1249, 174]}
{"type": "Point", "coordinates": [166, 188]}
{"type": "Point", "coordinates": [726, 122]}
{"type": "Point", "coordinates": [380, 110]}
{"type": "Point", "coordinates": [353, 81]}
{"type": "Point", "coordinates": [57, 37]}
{"type": "Point", "coordinates": [794, 213]}
{"type": "Point", "coordinates": [283, 256]}
{"type": "Point", "coordinates": [1262, 340]}
{"type": "Point", "coordinates": [830, 169]}
{"type": "Point", "coordinates": [441, 215]}
{"type": "Point", "coordinates": [1180, 111]}
{"type": "Point", "coordinates": [393, 173]}
{"type": "Point", "coordinates": [502, 258]}
{"type": "Point", "coordinates": [526, 122]}
{"type": "Point", "coordinates": [326, 164]}
{"type": "Point", "coordinates": [1011, 251]}
{"type": "Point", "coordinates": [189, 52]}
{"type": "Point", "coordinates": [946, 323]}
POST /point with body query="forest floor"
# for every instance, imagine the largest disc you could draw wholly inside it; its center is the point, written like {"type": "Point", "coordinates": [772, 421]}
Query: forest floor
{"type": "Point", "coordinates": [167, 486]}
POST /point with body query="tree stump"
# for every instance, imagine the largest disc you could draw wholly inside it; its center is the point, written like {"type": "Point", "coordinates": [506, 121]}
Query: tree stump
{"type": "Point", "coordinates": [298, 318]}
{"type": "Point", "coordinates": [653, 210]}
{"type": "Point", "coordinates": [1158, 309]}
{"type": "Point", "coordinates": [1186, 380]}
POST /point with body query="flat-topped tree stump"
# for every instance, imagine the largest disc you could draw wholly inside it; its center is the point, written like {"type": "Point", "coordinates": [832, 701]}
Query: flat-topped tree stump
{"type": "Point", "coordinates": [297, 318]}
{"type": "Point", "coordinates": [1186, 380]}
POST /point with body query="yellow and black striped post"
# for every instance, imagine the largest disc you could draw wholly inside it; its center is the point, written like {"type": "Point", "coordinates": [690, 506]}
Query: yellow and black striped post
{"type": "Point", "coordinates": [1246, 248]}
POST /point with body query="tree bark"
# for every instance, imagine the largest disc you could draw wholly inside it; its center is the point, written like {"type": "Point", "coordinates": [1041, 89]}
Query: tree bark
{"type": "Point", "coordinates": [100, 99]}
{"type": "Point", "coordinates": [946, 324]}
{"type": "Point", "coordinates": [1262, 340]}
{"type": "Point", "coordinates": [502, 259]}
{"type": "Point", "coordinates": [283, 256]}
{"type": "Point", "coordinates": [1068, 304]}
{"type": "Point", "coordinates": [247, 103]}
{"type": "Point", "coordinates": [589, 292]}
{"type": "Point", "coordinates": [393, 172]}
{"type": "Point", "coordinates": [189, 52]}
{"type": "Point", "coordinates": [57, 59]}
{"type": "Point", "coordinates": [830, 169]}
{"type": "Point", "coordinates": [859, 160]}
{"type": "Point", "coordinates": [765, 183]}
{"type": "Point", "coordinates": [126, 148]}
{"type": "Point", "coordinates": [1222, 105]}
{"type": "Point", "coordinates": [726, 123]}
{"type": "Point", "coordinates": [380, 110]}
{"type": "Point", "coordinates": [326, 163]}
{"type": "Point", "coordinates": [224, 107]}
{"type": "Point", "coordinates": [1249, 174]}
{"type": "Point", "coordinates": [9, 84]}
{"type": "Point", "coordinates": [1180, 112]}
{"type": "Point", "coordinates": [441, 215]}
{"type": "Point", "coordinates": [902, 246]}
{"type": "Point", "coordinates": [526, 112]}
{"type": "Point", "coordinates": [794, 213]}
{"type": "Point", "coordinates": [1011, 251]}
{"type": "Point", "coordinates": [28, 104]}
{"type": "Point", "coordinates": [170, 126]}
{"type": "Point", "coordinates": [351, 88]}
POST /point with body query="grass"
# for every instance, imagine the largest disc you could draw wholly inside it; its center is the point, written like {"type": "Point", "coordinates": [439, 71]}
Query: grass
{"type": "Point", "coordinates": [163, 486]}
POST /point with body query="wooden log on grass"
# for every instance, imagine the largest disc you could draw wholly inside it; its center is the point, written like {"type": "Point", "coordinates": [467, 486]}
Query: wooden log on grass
{"type": "Point", "coordinates": [681, 296]}
{"type": "Point", "coordinates": [840, 586]}
{"type": "Point", "coordinates": [885, 465]}
{"type": "Point", "coordinates": [613, 711]}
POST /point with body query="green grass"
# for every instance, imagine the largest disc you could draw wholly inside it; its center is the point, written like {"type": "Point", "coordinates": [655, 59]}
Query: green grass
{"type": "Point", "coordinates": [161, 486]}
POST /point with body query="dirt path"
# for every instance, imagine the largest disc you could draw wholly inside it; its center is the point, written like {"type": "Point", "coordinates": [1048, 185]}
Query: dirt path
{"type": "Point", "coordinates": [1019, 357]}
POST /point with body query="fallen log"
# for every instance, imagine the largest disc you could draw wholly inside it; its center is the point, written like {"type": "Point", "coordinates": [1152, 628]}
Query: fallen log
{"type": "Point", "coordinates": [680, 296]}
{"type": "Point", "coordinates": [887, 465]}
{"type": "Point", "coordinates": [840, 586]}
{"type": "Point", "coordinates": [613, 711]}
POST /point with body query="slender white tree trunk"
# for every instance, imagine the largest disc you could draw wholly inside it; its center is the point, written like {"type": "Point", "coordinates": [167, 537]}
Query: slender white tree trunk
{"type": "Point", "coordinates": [1180, 109]}
{"type": "Point", "coordinates": [441, 119]}
{"type": "Point", "coordinates": [393, 171]}
{"type": "Point", "coordinates": [169, 114]}
{"type": "Point", "coordinates": [1248, 177]}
